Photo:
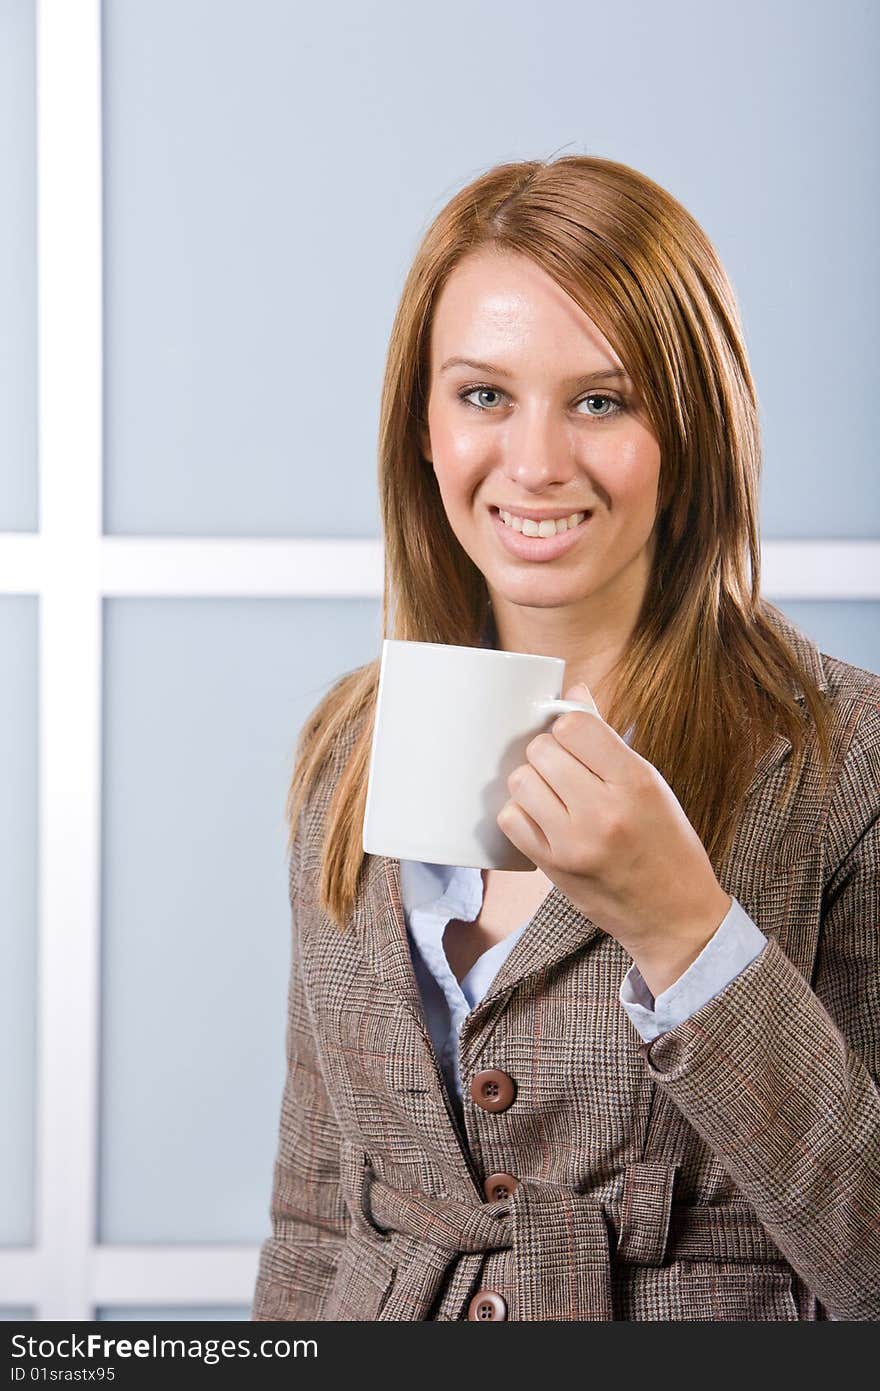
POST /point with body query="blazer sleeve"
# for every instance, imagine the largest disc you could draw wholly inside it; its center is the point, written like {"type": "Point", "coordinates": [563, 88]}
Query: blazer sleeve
{"type": "Point", "coordinates": [781, 1080]}
{"type": "Point", "coordinates": [309, 1217]}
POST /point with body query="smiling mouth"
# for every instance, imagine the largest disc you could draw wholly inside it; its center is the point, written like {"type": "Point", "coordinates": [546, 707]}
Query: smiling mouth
{"type": "Point", "coordinates": [531, 527]}
{"type": "Point", "coordinates": [525, 548]}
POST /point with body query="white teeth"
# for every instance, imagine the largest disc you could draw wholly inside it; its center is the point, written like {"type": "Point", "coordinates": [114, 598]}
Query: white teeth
{"type": "Point", "coordinates": [548, 528]}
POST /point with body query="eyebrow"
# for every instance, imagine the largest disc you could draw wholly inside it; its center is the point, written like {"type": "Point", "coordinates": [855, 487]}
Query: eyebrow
{"type": "Point", "coordinates": [610, 374]}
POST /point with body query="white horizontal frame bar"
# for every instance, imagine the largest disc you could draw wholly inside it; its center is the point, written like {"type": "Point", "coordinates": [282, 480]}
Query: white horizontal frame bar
{"type": "Point", "coordinates": [20, 1276]}
{"type": "Point", "coordinates": [174, 1274]}
{"type": "Point", "coordinates": [183, 1275]}
{"type": "Point", "coordinates": [135, 565]}
{"type": "Point", "coordinates": [21, 563]}
{"type": "Point", "coordinates": [821, 569]}
{"type": "Point", "coordinates": [318, 568]}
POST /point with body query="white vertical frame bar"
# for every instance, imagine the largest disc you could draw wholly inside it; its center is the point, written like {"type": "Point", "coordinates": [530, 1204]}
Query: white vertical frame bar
{"type": "Point", "coordinates": [69, 256]}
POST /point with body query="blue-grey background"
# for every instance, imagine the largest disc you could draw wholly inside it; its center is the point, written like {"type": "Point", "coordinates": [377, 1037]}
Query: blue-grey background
{"type": "Point", "coordinates": [18, 272]}
{"type": "Point", "coordinates": [269, 169]}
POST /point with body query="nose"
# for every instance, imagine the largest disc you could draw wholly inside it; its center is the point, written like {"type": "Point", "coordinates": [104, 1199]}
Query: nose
{"type": "Point", "coordinates": [538, 450]}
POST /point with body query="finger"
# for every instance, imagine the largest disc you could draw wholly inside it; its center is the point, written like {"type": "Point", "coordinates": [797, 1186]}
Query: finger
{"type": "Point", "coordinates": [596, 745]}
{"type": "Point", "coordinates": [574, 783]}
{"type": "Point", "coordinates": [536, 797]}
{"type": "Point", "coordinates": [525, 833]}
{"type": "Point", "coordinates": [583, 695]}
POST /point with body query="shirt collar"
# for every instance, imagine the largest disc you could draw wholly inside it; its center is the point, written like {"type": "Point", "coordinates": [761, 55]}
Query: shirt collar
{"type": "Point", "coordinates": [455, 891]}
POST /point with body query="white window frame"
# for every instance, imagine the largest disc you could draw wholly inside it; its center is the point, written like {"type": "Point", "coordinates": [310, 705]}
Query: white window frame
{"type": "Point", "coordinates": [71, 567]}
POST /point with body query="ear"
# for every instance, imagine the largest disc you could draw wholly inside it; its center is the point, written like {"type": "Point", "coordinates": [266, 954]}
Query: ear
{"type": "Point", "coordinates": [425, 445]}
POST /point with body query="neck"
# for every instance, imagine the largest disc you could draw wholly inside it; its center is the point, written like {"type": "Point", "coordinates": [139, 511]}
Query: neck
{"type": "Point", "coordinates": [590, 652]}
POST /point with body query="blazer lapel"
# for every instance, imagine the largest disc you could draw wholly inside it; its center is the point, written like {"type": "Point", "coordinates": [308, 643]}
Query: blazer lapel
{"type": "Point", "coordinates": [380, 922]}
{"type": "Point", "coordinates": [556, 930]}
{"type": "Point", "coordinates": [773, 754]}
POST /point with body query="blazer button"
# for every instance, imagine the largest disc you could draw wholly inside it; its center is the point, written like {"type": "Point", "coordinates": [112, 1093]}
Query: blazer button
{"type": "Point", "coordinates": [492, 1089]}
{"type": "Point", "coordinates": [499, 1186]}
{"type": "Point", "coordinates": [485, 1305]}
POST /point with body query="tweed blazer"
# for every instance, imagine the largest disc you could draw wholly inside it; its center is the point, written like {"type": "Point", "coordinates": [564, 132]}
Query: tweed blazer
{"type": "Point", "coordinates": [728, 1170]}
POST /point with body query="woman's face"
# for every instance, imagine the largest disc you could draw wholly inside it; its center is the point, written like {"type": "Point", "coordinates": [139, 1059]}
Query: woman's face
{"type": "Point", "coordinates": [546, 429]}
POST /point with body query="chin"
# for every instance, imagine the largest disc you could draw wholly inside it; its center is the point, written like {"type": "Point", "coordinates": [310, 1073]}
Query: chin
{"type": "Point", "coordinates": [538, 592]}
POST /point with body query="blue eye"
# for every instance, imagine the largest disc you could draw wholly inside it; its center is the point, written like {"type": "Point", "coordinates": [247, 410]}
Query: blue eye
{"type": "Point", "coordinates": [472, 391]}
{"type": "Point", "coordinates": [611, 400]}
{"type": "Point", "coordinates": [615, 406]}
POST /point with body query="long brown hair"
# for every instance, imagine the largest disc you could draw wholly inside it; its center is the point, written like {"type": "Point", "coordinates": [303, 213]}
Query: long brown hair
{"type": "Point", "coordinates": [708, 676]}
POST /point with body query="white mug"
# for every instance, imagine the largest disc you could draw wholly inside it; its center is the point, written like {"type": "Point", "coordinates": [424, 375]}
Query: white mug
{"type": "Point", "coordinates": [451, 725]}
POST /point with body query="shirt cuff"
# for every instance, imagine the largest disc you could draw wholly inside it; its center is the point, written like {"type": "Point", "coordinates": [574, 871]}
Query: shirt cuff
{"type": "Point", "coordinates": [735, 942]}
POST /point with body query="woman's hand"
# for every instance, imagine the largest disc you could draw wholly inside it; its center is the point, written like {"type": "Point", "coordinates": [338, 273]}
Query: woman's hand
{"type": "Point", "coordinates": [604, 825]}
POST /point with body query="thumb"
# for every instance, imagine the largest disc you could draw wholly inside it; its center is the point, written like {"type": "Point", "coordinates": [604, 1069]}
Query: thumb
{"type": "Point", "coordinates": [580, 691]}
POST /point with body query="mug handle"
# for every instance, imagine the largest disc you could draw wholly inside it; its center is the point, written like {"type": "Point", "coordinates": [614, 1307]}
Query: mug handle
{"type": "Point", "coordinates": [558, 707]}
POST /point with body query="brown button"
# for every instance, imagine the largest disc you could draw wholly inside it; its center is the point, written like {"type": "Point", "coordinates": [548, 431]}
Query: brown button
{"type": "Point", "coordinates": [492, 1089]}
{"type": "Point", "coordinates": [499, 1186]}
{"type": "Point", "coordinates": [486, 1304]}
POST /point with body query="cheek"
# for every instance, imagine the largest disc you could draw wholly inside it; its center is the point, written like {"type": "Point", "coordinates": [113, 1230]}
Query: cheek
{"type": "Point", "coordinates": [458, 453]}
{"type": "Point", "coordinates": [636, 476]}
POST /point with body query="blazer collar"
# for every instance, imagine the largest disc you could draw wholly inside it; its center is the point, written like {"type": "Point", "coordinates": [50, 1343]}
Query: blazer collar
{"type": "Point", "coordinates": [810, 659]}
{"type": "Point", "coordinates": [557, 929]}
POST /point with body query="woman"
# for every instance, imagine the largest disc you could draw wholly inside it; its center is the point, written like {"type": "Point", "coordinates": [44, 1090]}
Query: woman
{"type": "Point", "coordinates": [639, 1083]}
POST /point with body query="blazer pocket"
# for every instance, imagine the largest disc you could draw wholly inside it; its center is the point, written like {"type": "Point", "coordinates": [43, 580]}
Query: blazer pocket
{"type": "Point", "coordinates": [364, 1279]}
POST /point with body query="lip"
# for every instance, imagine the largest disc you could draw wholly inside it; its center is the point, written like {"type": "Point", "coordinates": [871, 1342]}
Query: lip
{"type": "Point", "coordinates": [541, 516]}
{"type": "Point", "coordinates": [537, 547]}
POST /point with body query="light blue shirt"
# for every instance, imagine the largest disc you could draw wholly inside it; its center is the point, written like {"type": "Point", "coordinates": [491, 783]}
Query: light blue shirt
{"type": "Point", "coordinates": [435, 894]}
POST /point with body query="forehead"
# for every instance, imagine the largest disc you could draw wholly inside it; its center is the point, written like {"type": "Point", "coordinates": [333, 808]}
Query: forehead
{"type": "Point", "coordinates": [502, 301]}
